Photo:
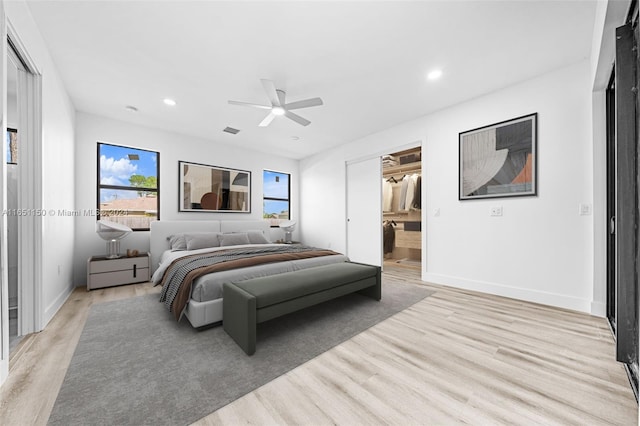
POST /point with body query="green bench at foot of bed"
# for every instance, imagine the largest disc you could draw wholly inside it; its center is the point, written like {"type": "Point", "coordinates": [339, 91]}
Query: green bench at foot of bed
{"type": "Point", "coordinates": [248, 303]}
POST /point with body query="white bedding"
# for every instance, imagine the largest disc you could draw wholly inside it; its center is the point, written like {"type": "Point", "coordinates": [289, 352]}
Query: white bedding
{"type": "Point", "coordinates": [209, 287]}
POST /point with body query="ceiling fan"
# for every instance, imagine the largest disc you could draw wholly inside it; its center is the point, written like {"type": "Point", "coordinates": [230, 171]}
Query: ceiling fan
{"type": "Point", "coordinates": [279, 106]}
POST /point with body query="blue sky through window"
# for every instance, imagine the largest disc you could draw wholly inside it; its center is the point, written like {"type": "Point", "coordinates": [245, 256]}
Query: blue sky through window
{"type": "Point", "coordinates": [272, 207]}
{"type": "Point", "coordinates": [275, 185]}
{"type": "Point", "coordinates": [116, 167]}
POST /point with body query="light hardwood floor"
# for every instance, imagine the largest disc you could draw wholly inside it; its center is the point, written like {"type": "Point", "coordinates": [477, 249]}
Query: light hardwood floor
{"type": "Point", "coordinates": [457, 357]}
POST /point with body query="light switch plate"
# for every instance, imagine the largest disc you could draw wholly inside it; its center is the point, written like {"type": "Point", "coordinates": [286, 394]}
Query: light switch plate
{"type": "Point", "coordinates": [584, 209]}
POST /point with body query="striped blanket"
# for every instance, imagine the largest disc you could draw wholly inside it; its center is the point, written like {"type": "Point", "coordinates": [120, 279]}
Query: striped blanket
{"type": "Point", "coordinates": [177, 279]}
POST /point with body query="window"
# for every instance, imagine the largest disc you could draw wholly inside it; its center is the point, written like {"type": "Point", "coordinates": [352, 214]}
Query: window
{"type": "Point", "coordinates": [276, 188]}
{"type": "Point", "coordinates": [128, 182]}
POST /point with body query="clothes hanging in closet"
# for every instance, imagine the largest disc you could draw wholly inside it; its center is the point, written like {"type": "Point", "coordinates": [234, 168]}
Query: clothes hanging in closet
{"type": "Point", "coordinates": [411, 188]}
{"type": "Point", "coordinates": [387, 195]}
{"type": "Point", "coordinates": [403, 194]}
{"type": "Point", "coordinates": [388, 237]}
{"type": "Point", "coordinates": [417, 197]}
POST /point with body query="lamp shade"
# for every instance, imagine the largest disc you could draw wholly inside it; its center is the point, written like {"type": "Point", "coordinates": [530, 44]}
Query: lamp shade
{"type": "Point", "coordinates": [111, 230]}
{"type": "Point", "coordinates": [112, 233]}
{"type": "Point", "coordinates": [288, 226]}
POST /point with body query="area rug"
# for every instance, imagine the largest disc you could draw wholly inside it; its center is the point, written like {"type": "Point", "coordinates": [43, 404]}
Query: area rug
{"type": "Point", "coordinates": [135, 365]}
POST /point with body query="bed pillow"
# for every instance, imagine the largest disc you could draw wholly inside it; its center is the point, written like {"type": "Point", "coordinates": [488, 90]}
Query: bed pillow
{"type": "Point", "coordinates": [257, 237]}
{"type": "Point", "coordinates": [200, 240]}
{"type": "Point", "coordinates": [177, 242]}
{"type": "Point", "coordinates": [234, 239]}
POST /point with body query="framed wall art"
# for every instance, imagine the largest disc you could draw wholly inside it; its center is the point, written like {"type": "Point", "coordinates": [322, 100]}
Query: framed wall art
{"type": "Point", "coordinates": [499, 160]}
{"type": "Point", "coordinates": [204, 188]}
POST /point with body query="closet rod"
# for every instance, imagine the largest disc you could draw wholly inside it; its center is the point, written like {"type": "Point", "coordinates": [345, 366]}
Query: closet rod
{"type": "Point", "coordinates": [401, 174]}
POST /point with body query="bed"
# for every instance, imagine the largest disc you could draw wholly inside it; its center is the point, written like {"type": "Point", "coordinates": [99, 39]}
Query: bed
{"type": "Point", "coordinates": [201, 300]}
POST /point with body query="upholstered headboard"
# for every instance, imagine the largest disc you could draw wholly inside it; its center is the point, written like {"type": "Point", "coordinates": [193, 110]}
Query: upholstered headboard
{"type": "Point", "coordinates": [162, 229]}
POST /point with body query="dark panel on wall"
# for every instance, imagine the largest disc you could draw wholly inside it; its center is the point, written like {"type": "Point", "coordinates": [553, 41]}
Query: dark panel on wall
{"type": "Point", "coordinates": [627, 197]}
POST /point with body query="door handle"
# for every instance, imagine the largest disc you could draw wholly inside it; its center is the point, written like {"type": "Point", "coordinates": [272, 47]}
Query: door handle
{"type": "Point", "coordinates": [612, 225]}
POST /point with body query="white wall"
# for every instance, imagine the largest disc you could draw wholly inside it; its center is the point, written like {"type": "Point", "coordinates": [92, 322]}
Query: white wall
{"type": "Point", "coordinates": [173, 147]}
{"type": "Point", "coordinates": [58, 115]}
{"type": "Point", "coordinates": [540, 249]}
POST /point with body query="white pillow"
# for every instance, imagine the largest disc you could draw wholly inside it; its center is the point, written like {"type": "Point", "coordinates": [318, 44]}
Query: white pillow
{"type": "Point", "coordinates": [257, 237]}
{"type": "Point", "coordinates": [200, 240]}
{"type": "Point", "coordinates": [177, 242]}
{"type": "Point", "coordinates": [233, 239]}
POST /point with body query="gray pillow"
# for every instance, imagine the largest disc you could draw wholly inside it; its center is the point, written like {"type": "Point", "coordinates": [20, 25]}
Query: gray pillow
{"type": "Point", "coordinates": [234, 239]}
{"type": "Point", "coordinates": [177, 242]}
{"type": "Point", "coordinates": [257, 237]}
{"type": "Point", "coordinates": [200, 240]}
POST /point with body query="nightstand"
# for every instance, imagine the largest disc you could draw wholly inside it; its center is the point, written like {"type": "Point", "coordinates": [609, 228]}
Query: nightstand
{"type": "Point", "coordinates": [104, 272]}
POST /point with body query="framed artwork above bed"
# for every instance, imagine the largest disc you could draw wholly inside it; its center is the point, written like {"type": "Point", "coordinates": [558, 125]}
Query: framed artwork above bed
{"type": "Point", "coordinates": [204, 188]}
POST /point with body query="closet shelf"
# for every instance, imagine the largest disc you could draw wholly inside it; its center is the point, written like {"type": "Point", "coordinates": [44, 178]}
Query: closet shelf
{"type": "Point", "coordinates": [402, 168]}
{"type": "Point", "coordinates": [401, 217]}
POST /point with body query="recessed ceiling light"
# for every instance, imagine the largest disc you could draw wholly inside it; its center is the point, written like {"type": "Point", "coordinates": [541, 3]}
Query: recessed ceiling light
{"type": "Point", "coordinates": [131, 108]}
{"type": "Point", "coordinates": [169, 102]}
{"type": "Point", "coordinates": [434, 75]}
{"type": "Point", "coordinates": [276, 110]}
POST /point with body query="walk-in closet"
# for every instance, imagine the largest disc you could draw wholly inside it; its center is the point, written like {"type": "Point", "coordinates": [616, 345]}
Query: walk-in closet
{"type": "Point", "coordinates": [401, 208]}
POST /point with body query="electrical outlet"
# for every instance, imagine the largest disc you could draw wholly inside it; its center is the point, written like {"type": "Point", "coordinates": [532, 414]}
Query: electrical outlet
{"type": "Point", "coordinates": [436, 212]}
{"type": "Point", "coordinates": [496, 211]}
{"type": "Point", "coordinates": [584, 209]}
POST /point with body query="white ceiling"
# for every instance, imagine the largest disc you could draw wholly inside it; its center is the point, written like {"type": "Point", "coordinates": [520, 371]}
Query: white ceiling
{"type": "Point", "coordinates": [366, 59]}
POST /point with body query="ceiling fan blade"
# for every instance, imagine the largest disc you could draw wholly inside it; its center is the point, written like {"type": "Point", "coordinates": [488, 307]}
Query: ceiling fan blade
{"type": "Point", "coordinates": [249, 105]}
{"type": "Point", "coordinates": [304, 103]}
{"type": "Point", "coordinates": [267, 120]}
{"type": "Point", "coordinates": [297, 118]}
{"type": "Point", "coordinates": [270, 88]}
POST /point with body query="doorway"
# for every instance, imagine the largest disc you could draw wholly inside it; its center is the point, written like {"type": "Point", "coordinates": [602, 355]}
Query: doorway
{"type": "Point", "coordinates": [23, 189]}
{"type": "Point", "coordinates": [14, 65]}
{"type": "Point", "coordinates": [402, 208]}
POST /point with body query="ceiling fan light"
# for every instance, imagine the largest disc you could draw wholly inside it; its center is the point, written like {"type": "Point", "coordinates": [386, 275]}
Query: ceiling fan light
{"type": "Point", "coordinates": [276, 110]}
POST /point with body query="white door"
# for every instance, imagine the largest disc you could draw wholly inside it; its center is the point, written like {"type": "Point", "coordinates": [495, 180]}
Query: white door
{"type": "Point", "coordinates": [4, 293]}
{"type": "Point", "coordinates": [364, 211]}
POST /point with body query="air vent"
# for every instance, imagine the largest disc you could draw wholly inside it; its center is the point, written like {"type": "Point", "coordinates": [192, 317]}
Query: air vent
{"type": "Point", "coordinates": [231, 130]}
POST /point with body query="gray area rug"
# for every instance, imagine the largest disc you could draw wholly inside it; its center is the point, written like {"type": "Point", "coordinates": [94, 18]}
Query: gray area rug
{"type": "Point", "coordinates": [135, 365]}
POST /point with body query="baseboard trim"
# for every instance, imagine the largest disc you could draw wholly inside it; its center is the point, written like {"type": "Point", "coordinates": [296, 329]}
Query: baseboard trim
{"type": "Point", "coordinates": [54, 307]}
{"type": "Point", "coordinates": [529, 295]}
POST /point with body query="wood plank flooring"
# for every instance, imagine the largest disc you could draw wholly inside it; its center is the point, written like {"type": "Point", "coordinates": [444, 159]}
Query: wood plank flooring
{"type": "Point", "coordinates": [457, 357]}
{"type": "Point", "coordinates": [38, 366]}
